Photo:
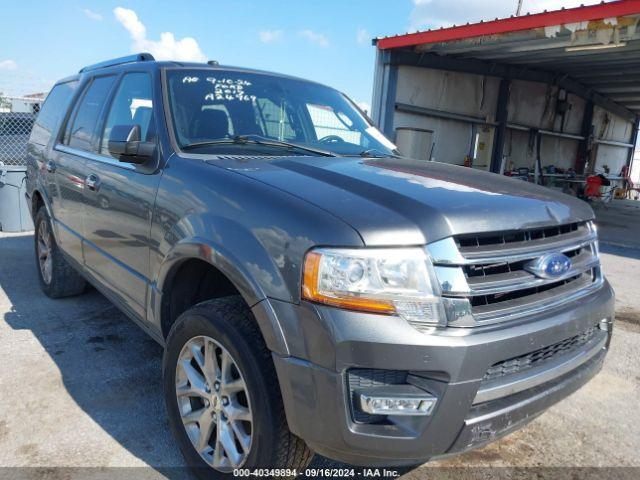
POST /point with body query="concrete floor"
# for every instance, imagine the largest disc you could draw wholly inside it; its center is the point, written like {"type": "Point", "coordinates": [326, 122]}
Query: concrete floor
{"type": "Point", "coordinates": [619, 223]}
{"type": "Point", "coordinates": [80, 389]}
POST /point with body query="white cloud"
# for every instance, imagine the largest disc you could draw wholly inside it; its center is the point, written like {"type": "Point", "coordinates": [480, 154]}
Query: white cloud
{"type": "Point", "coordinates": [313, 37]}
{"type": "Point", "coordinates": [92, 15]}
{"type": "Point", "coordinates": [167, 48]}
{"type": "Point", "coordinates": [270, 36]}
{"type": "Point", "coordinates": [8, 65]}
{"type": "Point", "coordinates": [362, 36]}
{"type": "Point", "coordinates": [445, 13]}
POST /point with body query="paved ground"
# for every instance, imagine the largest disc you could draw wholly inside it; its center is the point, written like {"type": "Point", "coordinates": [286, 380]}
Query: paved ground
{"type": "Point", "coordinates": [80, 387]}
{"type": "Point", "coordinates": [619, 223]}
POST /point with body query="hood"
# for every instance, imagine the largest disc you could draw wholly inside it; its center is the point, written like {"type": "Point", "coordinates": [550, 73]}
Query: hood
{"type": "Point", "coordinates": [392, 201]}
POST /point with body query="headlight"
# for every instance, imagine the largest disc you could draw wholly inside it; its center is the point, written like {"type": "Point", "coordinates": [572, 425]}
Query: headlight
{"type": "Point", "coordinates": [387, 281]}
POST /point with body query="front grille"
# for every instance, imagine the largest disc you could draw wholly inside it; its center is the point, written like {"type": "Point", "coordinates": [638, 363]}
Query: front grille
{"type": "Point", "coordinates": [360, 378]}
{"type": "Point", "coordinates": [484, 277]}
{"type": "Point", "coordinates": [480, 300]}
{"type": "Point", "coordinates": [538, 357]}
{"type": "Point", "coordinates": [502, 238]}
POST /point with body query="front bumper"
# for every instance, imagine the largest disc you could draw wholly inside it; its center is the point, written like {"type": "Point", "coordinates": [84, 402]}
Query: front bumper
{"type": "Point", "coordinates": [323, 344]}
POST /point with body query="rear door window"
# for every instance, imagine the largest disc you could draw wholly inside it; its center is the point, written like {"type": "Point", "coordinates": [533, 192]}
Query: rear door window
{"type": "Point", "coordinates": [54, 108]}
{"type": "Point", "coordinates": [81, 128]}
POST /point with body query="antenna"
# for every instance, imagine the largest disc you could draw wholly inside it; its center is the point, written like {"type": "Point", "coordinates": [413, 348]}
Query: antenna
{"type": "Point", "coordinates": [519, 9]}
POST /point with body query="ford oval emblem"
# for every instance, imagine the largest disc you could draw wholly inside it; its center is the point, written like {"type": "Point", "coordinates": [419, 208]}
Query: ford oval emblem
{"type": "Point", "coordinates": [551, 265]}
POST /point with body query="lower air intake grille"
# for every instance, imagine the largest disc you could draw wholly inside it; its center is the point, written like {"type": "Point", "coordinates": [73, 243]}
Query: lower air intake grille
{"type": "Point", "coordinates": [537, 357]}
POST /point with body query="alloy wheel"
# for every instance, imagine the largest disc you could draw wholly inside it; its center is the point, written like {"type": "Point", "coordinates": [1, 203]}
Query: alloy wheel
{"type": "Point", "coordinates": [44, 245]}
{"type": "Point", "coordinates": [214, 403]}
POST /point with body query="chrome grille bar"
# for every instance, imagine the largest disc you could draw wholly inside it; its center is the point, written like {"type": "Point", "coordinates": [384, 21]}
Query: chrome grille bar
{"type": "Point", "coordinates": [520, 279]}
{"type": "Point", "coordinates": [513, 252]}
{"type": "Point", "coordinates": [538, 302]}
{"type": "Point", "coordinates": [484, 279]}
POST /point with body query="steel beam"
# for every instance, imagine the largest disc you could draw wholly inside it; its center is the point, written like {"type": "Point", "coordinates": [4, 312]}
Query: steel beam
{"type": "Point", "coordinates": [502, 115]}
{"type": "Point", "coordinates": [389, 92]}
{"type": "Point", "coordinates": [612, 143]}
{"type": "Point", "coordinates": [624, 98]}
{"type": "Point", "coordinates": [617, 81]}
{"type": "Point", "coordinates": [632, 88]}
{"type": "Point", "coordinates": [609, 73]}
{"type": "Point", "coordinates": [431, 112]}
{"type": "Point", "coordinates": [634, 141]}
{"type": "Point", "coordinates": [584, 148]}
{"type": "Point", "coordinates": [560, 55]}
{"type": "Point", "coordinates": [582, 67]}
{"type": "Point", "coordinates": [546, 133]}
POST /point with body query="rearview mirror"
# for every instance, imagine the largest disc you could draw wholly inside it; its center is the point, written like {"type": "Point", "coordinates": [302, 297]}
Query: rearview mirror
{"type": "Point", "coordinates": [125, 145]}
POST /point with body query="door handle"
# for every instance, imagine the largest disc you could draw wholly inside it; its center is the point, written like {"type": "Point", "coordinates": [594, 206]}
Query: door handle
{"type": "Point", "coordinates": [50, 166]}
{"type": "Point", "coordinates": [92, 182]}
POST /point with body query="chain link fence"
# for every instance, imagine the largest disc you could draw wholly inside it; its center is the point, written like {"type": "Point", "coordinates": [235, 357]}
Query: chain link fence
{"type": "Point", "coordinates": [17, 116]}
{"type": "Point", "coordinates": [15, 129]}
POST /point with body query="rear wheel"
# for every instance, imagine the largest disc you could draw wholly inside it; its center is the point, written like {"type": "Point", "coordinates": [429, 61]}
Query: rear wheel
{"type": "Point", "coordinates": [57, 277]}
{"type": "Point", "coordinates": [222, 393]}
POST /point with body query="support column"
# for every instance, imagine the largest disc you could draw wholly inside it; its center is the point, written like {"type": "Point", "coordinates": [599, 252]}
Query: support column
{"type": "Point", "coordinates": [584, 147]}
{"type": "Point", "coordinates": [502, 115]}
{"type": "Point", "coordinates": [389, 93]}
{"type": "Point", "coordinates": [634, 140]}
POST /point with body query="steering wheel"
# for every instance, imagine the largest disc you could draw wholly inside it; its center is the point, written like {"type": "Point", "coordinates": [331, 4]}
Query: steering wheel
{"type": "Point", "coordinates": [331, 139]}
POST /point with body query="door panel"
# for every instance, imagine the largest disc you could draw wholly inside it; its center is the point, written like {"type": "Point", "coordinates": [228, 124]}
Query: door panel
{"type": "Point", "coordinates": [119, 200]}
{"type": "Point", "coordinates": [117, 229]}
{"type": "Point", "coordinates": [67, 164]}
{"type": "Point", "coordinates": [68, 171]}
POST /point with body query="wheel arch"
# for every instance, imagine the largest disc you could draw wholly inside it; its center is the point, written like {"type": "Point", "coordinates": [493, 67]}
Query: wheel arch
{"type": "Point", "coordinates": [212, 272]}
{"type": "Point", "coordinates": [39, 199]}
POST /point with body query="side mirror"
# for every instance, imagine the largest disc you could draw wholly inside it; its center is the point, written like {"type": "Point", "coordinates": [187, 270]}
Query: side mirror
{"type": "Point", "coordinates": [125, 145]}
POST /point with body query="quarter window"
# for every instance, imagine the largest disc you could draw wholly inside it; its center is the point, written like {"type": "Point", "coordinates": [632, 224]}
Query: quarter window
{"type": "Point", "coordinates": [54, 108]}
{"type": "Point", "coordinates": [81, 133]}
{"type": "Point", "coordinates": [132, 105]}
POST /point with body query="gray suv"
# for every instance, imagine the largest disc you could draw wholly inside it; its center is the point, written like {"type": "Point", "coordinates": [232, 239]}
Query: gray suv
{"type": "Point", "coordinates": [314, 291]}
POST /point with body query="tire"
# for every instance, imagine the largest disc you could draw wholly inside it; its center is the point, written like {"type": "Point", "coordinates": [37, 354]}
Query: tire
{"type": "Point", "coordinates": [227, 326]}
{"type": "Point", "coordinates": [57, 277]}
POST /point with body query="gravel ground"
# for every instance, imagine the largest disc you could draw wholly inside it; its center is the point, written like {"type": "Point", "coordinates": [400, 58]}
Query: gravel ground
{"type": "Point", "coordinates": [80, 389]}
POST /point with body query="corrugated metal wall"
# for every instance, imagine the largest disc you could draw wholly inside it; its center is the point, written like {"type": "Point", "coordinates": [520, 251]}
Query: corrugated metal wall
{"type": "Point", "coordinates": [531, 105]}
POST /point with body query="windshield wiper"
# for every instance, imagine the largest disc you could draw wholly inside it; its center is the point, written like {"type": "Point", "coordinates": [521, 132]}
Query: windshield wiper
{"type": "Point", "coordinates": [258, 140]}
{"type": "Point", "coordinates": [375, 153]}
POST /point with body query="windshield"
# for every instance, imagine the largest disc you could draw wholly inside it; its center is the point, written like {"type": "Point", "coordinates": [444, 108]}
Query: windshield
{"type": "Point", "coordinates": [216, 105]}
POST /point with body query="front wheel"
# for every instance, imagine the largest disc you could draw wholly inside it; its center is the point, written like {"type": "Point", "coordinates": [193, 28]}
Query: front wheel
{"type": "Point", "coordinates": [222, 393]}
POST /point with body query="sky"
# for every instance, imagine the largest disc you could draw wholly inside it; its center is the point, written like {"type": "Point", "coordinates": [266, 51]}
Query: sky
{"type": "Point", "coordinates": [327, 41]}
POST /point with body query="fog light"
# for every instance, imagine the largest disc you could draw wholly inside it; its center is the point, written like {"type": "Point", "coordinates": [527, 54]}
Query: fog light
{"type": "Point", "coordinates": [417, 402]}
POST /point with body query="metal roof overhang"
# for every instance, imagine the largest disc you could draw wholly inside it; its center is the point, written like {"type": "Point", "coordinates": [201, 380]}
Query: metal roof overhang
{"type": "Point", "coordinates": [592, 51]}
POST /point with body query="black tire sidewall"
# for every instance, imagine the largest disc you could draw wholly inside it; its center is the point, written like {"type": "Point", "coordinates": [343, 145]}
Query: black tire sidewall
{"type": "Point", "coordinates": [208, 323]}
{"type": "Point", "coordinates": [42, 217]}
{"type": "Point", "coordinates": [65, 280]}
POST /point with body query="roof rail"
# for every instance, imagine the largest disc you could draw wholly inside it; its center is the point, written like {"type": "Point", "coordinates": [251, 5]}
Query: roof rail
{"type": "Point", "coordinates": [138, 57]}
